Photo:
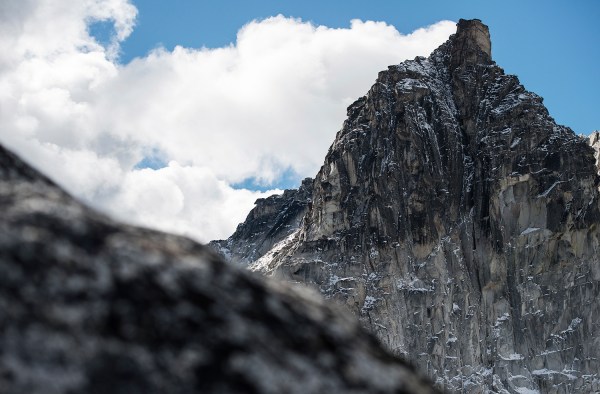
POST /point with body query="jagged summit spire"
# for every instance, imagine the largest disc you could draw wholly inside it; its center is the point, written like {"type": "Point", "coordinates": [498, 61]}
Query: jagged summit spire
{"type": "Point", "coordinates": [471, 44]}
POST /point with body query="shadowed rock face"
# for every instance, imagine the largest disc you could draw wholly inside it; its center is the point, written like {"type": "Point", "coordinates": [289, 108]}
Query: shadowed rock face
{"type": "Point", "coordinates": [88, 305]}
{"type": "Point", "coordinates": [461, 224]}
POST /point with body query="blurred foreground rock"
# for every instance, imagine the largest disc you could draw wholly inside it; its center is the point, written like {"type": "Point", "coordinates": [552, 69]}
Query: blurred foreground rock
{"type": "Point", "coordinates": [88, 305]}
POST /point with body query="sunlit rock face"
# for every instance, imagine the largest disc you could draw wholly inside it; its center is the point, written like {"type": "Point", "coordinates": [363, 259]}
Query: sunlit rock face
{"type": "Point", "coordinates": [461, 224]}
{"type": "Point", "coordinates": [594, 141]}
{"type": "Point", "coordinates": [88, 305]}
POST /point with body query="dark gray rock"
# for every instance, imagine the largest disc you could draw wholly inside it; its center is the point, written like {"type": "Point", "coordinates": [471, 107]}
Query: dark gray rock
{"type": "Point", "coordinates": [461, 224]}
{"type": "Point", "coordinates": [88, 305]}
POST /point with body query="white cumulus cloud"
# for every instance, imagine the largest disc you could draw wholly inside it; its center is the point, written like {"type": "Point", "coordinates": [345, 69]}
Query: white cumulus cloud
{"type": "Point", "coordinates": [268, 105]}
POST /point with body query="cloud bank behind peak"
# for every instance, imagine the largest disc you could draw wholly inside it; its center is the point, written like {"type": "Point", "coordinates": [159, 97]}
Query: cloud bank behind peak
{"type": "Point", "coordinates": [267, 105]}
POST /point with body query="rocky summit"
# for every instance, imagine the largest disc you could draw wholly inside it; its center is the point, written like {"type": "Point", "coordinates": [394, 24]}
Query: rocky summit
{"type": "Point", "coordinates": [460, 223]}
{"type": "Point", "coordinates": [88, 305]}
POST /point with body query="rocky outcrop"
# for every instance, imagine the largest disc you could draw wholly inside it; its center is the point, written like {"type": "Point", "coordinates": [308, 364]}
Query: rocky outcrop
{"type": "Point", "coordinates": [272, 220]}
{"type": "Point", "coordinates": [88, 305]}
{"type": "Point", "coordinates": [594, 141]}
{"type": "Point", "coordinates": [461, 224]}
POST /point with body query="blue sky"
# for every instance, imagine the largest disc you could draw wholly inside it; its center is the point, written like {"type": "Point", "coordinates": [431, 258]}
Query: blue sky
{"type": "Point", "coordinates": [553, 46]}
{"type": "Point", "coordinates": [179, 114]}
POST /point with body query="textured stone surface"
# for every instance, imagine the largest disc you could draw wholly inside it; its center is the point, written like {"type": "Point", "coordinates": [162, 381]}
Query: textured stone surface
{"type": "Point", "coordinates": [461, 224]}
{"type": "Point", "coordinates": [88, 305]}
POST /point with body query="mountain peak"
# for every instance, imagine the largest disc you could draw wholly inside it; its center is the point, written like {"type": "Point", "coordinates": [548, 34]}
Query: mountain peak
{"type": "Point", "coordinates": [458, 221]}
{"type": "Point", "coordinates": [471, 44]}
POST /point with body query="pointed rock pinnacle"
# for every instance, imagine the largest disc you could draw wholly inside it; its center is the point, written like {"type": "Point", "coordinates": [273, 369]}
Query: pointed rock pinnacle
{"type": "Point", "coordinates": [471, 44]}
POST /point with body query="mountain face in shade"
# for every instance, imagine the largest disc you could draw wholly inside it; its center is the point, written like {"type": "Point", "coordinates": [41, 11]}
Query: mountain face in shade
{"type": "Point", "coordinates": [88, 305]}
{"type": "Point", "coordinates": [461, 224]}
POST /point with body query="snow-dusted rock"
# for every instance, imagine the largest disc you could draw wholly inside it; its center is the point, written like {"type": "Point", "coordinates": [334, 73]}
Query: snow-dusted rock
{"type": "Point", "coordinates": [462, 225]}
{"type": "Point", "coordinates": [272, 220]}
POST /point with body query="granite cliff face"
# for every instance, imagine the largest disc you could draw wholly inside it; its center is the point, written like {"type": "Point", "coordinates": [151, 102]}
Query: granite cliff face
{"type": "Point", "coordinates": [461, 224]}
{"type": "Point", "coordinates": [88, 305]}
